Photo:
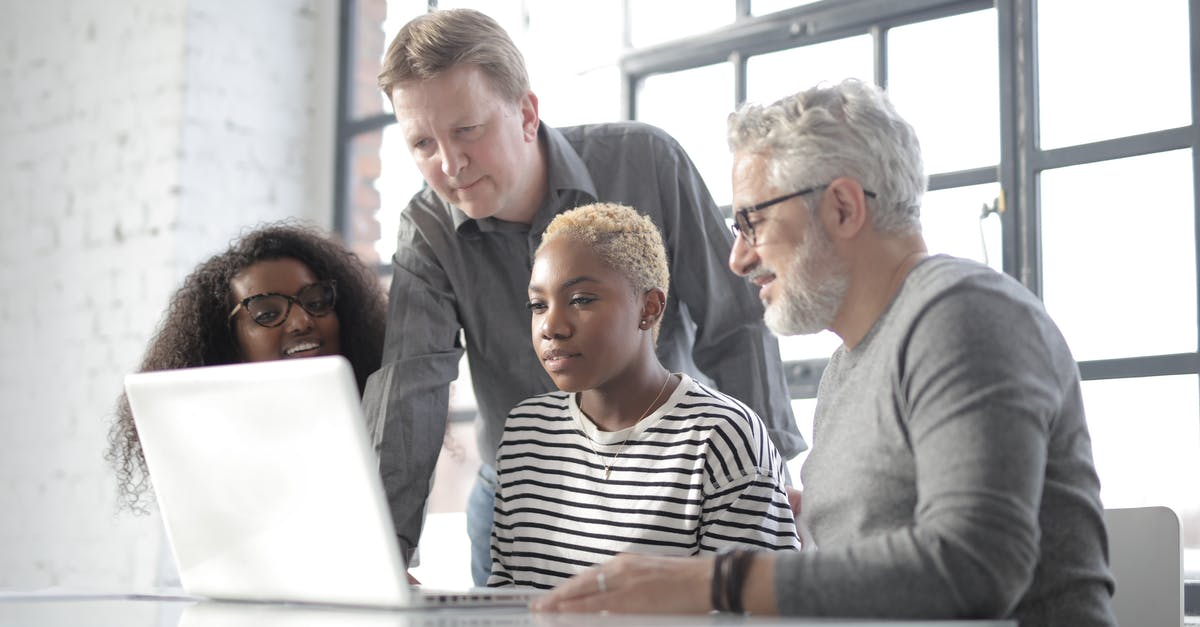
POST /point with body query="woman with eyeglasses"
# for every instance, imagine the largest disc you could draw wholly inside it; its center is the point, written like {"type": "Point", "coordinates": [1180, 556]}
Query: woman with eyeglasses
{"type": "Point", "coordinates": [281, 291]}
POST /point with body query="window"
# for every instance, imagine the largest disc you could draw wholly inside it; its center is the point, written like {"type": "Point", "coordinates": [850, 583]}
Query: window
{"type": "Point", "coordinates": [1060, 137]}
{"type": "Point", "coordinates": [1093, 165]}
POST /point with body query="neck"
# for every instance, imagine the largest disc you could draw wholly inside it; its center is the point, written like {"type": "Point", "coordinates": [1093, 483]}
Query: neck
{"type": "Point", "coordinates": [620, 404]}
{"type": "Point", "coordinates": [533, 190]}
{"type": "Point", "coordinates": [875, 278]}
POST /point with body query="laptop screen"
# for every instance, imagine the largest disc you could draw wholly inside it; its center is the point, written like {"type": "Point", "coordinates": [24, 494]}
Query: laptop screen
{"type": "Point", "coordinates": [267, 483]}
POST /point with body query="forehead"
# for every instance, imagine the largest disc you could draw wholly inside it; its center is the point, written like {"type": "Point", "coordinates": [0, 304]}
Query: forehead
{"type": "Point", "coordinates": [564, 258]}
{"type": "Point", "coordinates": [458, 93]}
{"type": "Point", "coordinates": [751, 182]}
{"type": "Point", "coordinates": [284, 276]}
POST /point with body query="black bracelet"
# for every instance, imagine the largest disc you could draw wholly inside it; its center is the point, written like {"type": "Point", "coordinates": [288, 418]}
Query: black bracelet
{"type": "Point", "coordinates": [739, 565]}
{"type": "Point", "coordinates": [718, 582]}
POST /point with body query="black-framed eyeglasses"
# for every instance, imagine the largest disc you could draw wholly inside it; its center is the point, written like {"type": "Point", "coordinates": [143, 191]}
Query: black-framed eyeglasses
{"type": "Point", "coordinates": [741, 218]}
{"type": "Point", "coordinates": [271, 309]}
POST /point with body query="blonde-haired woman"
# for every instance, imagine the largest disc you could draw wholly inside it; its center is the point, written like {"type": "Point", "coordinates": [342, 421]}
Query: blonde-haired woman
{"type": "Point", "coordinates": [626, 456]}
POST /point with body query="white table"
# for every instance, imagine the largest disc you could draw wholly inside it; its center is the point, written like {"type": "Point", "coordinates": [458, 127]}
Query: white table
{"type": "Point", "coordinates": [103, 610]}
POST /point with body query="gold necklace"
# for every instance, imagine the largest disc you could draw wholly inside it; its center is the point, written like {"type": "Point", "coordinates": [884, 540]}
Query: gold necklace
{"type": "Point", "coordinates": [592, 444]}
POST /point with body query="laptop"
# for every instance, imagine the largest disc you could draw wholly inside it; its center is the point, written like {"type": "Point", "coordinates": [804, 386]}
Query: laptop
{"type": "Point", "coordinates": [270, 490]}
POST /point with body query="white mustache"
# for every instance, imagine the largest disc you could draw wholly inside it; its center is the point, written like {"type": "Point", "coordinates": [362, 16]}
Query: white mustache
{"type": "Point", "coordinates": [758, 272]}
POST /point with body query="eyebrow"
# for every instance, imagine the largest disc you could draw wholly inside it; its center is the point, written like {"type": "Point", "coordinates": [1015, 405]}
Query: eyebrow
{"type": "Point", "coordinates": [571, 282]}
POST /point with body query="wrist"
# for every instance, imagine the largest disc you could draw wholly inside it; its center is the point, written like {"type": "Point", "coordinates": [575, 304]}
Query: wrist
{"type": "Point", "coordinates": [728, 581]}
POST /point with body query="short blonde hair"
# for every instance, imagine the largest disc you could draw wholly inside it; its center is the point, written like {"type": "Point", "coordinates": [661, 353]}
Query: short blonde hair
{"type": "Point", "coordinates": [625, 240]}
{"type": "Point", "coordinates": [439, 40]}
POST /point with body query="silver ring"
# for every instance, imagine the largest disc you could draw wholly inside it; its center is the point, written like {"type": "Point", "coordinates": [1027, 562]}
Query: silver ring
{"type": "Point", "coordinates": [601, 583]}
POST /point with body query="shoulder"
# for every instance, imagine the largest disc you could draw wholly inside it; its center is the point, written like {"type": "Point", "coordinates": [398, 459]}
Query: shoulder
{"type": "Point", "coordinates": [736, 444]}
{"type": "Point", "coordinates": [942, 274]}
{"type": "Point", "coordinates": [952, 294]}
{"type": "Point", "coordinates": [720, 413]}
{"type": "Point", "coordinates": [627, 135]}
{"type": "Point", "coordinates": [548, 403]}
{"type": "Point", "coordinates": [538, 414]}
{"type": "Point", "coordinates": [425, 220]}
{"type": "Point", "coordinates": [948, 289]}
{"type": "Point", "coordinates": [424, 206]}
{"type": "Point", "coordinates": [962, 312]}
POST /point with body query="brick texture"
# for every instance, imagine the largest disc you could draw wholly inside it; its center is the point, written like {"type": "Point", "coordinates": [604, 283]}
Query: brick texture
{"type": "Point", "coordinates": [137, 137]}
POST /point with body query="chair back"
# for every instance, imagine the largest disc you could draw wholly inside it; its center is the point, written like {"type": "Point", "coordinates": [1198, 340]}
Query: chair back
{"type": "Point", "coordinates": [1145, 553]}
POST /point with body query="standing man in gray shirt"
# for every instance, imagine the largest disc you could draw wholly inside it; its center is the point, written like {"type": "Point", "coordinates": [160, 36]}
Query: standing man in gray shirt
{"type": "Point", "coordinates": [496, 176]}
{"type": "Point", "coordinates": [951, 474]}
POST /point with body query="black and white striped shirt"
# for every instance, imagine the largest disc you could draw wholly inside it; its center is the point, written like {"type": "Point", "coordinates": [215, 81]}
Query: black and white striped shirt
{"type": "Point", "coordinates": [696, 476]}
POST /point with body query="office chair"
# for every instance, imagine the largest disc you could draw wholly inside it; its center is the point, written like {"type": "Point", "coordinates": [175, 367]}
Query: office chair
{"type": "Point", "coordinates": [1145, 553]}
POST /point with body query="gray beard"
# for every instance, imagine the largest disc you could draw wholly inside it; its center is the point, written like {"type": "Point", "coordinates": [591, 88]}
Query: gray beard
{"type": "Point", "coordinates": [814, 286]}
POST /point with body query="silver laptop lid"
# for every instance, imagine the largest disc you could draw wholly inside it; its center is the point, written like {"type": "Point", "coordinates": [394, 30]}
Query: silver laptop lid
{"type": "Point", "coordinates": [267, 483]}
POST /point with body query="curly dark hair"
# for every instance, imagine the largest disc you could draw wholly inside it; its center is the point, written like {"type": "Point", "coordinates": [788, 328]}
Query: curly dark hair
{"type": "Point", "coordinates": [194, 331]}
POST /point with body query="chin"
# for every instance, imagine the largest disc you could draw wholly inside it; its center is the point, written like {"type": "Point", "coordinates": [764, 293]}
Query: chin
{"type": "Point", "coordinates": [476, 213]}
{"type": "Point", "coordinates": [566, 383]}
{"type": "Point", "coordinates": [785, 323]}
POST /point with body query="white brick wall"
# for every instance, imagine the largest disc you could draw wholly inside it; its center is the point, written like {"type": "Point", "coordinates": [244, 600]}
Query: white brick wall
{"type": "Point", "coordinates": [136, 138]}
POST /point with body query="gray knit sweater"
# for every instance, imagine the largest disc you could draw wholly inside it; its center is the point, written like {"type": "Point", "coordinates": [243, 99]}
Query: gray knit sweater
{"type": "Point", "coordinates": [951, 474]}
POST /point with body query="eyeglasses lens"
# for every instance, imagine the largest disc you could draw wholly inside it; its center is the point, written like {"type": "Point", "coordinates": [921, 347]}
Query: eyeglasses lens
{"type": "Point", "coordinates": [317, 299]}
{"type": "Point", "coordinates": [271, 310]}
{"type": "Point", "coordinates": [742, 220]}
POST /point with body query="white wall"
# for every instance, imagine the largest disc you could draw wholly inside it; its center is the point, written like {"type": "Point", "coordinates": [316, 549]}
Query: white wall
{"type": "Point", "coordinates": [137, 137]}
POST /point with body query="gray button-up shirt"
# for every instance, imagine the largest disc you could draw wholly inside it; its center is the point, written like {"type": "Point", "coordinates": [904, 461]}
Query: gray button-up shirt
{"type": "Point", "coordinates": [453, 273]}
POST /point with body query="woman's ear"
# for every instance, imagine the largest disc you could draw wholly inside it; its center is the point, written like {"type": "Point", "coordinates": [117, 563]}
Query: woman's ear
{"type": "Point", "coordinates": [654, 303]}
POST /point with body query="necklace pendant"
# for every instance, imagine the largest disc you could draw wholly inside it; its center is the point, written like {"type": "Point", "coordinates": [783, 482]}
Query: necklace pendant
{"type": "Point", "coordinates": [607, 472]}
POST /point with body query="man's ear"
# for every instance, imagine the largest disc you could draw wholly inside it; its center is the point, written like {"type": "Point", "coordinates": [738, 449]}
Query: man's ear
{"type": "Point", "coordinates": [847, 214]}
{"type": "Point", "coordinates": [654, 303]}
{"type": "Point", "coordinates": [529, 116]}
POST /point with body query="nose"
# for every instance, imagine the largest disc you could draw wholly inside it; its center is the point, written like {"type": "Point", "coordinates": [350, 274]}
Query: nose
{"type": "Point", "coordinates": [298, 320]}
{"type": "Point", "coordinates": [554, 326]}
{"type": "Point", "coordinates": [454, 160]}
{"type": "Point", "coordinates": [743, 258]}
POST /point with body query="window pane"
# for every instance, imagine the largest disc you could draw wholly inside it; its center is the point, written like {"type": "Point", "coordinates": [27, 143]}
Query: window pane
{"type": "Point", "coordinates": [1119, 255]}
{"type": "Point", "coordinates": [399, 180]}
{"type": "Point", "coordinates": [376, 24]}
{"type": "Point", "coordinates": [804, 409]}
{"type": "Point", "coordinates": [574, 71]}
{"type": "Point", "coordinates": [1109, 69]}
{"type": "Point", "coordinates": [510, 14]}
{"type": "Point", "coordinates": [770, 77]}
{"type": "Point", "coordinates": [699, 126]}
{"type": "Point", "coordinates": [763, 7]}
{"type": "Point", "coordinates": [1146, 443]}
{"type": "Point", "coordinates": [655, 21]}
{"type": "Point", "coordinates": [951, 223]}
{"type": "Point", "coordinates": [818, 346]}
{"type": "Point", "coordinates": [362, 195]}
{"type": "Point", "coordinates": [943, 77]}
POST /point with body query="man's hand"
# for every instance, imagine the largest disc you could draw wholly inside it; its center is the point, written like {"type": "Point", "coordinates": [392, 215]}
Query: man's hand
{"type": "Point", "coordinates": [636, 584]}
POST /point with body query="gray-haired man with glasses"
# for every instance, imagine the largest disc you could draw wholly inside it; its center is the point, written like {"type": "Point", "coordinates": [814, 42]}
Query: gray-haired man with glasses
{"type": "Point", "coordinates": [951, 474]}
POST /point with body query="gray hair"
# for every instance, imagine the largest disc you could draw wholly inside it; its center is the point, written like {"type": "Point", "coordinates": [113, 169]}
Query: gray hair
{"type": "Point", "coordinates": [848, 129]}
